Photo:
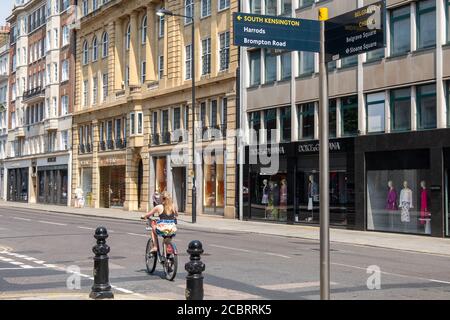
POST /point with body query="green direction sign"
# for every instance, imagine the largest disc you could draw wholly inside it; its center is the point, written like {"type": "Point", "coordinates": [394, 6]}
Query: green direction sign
{"type": "Point", "coordinates": [259, 31]}
{"type": "Point", "coordinates": [356, 32]}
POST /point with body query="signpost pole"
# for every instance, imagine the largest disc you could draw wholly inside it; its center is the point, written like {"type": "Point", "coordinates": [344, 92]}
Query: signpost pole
{"type": "Point", "coordinates": [324, 165]}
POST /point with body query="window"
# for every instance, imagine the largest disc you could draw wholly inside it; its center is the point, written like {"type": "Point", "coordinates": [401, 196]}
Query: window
{"type": "Point", "coordinates": [223, 4]}
{"type": "Point", "coordinates": [65, 36]}
{"type": "Point", "coordinates": [349, 61]}
{"type": "Point", "coordinates": [65, 70]}
{"type": "Point", "coordinates": [349, 112]}
{"type": "Point", "coordinates": [375, 112]}
{"type": "Point", "coordinates": [188, 10]}
{"type": "Point", "coordinates": [206, 56]}
{"type": "Point", "coordinates": [132, 123]}
{"type": "Point", "coordinates": [306, 63]}
{"type": "Point", "coordinates": [94, 90]}
{"type": "Point", "coordinates": [161, 67]}
{"type": "Point", "coordinates": [85, 8]}
{"type": "Point", "coordinates": [206, 8]}
{"type": "Point", "coordinates": [164, 122]}
{"type": "Point", "coordinates": [161, 26]}
{"type": "Point", "coordinates": [65, 5]}
{"type": "Point", "coordinates": [85, 53]}
{"type": "Point", "coordinates": [401, 109]}
{"type": "Point", "coordinates": [255, 67]}
{"type": "Point", "coordinates": [224, 112]}
{"type": "Point", "coordinates": [55, 72]}
{"type": "Point", "coordinates": [127, 75]}
{"type": "Point", "coordinates": [64, 105]}
{"type": "Point", "coordinates": [140, 123]}
{"type": "Point", "coordinates": [143, 71]}
{"type": "Point", "coordinates": [203, 114]}
{"type": "Point", "coordinates": [254, 126]}
{"type": "Point", "coordinates": [94, 49]}
{"type": "Point", "coordinates": [188, 62]}
{"type": "Point", "coordinates": [426, 107]}
{"type": "Point", "coordinates": [255, 6]}
{"type": "Point", "coordinates": [286, 7]}
{"type": "Point", "coordinates": [85, 93]}
{"type": "Point", "coordinates": [285, 122]}
{"type": "Point", "coordinates": [400, 30]}
{"type": "Point", "coordinates": [270, 66]}
{"type": "Point", "coordinates": [306, 120]}
{"type": "Point", "coordinates": [56, 38]}
{"type": "Point", "coordinates": [105, 45]}
{"type": "Point", "coordinates": [305, 3]}
{"type": "Point", "coordinates": [224, 53]}
{"type": "Point", "coordinates": [155, 123]}
{"type": "Point", "coordinates": [285, 65]}
{"type": "Point", "coordinates": [213, 114]}
{"type": "Point", "coordinates": [375, 55]}
{"type": "Point", "coordinates": [271, 7]}
{"type": "Point", "coordinates": [144, 30]}
{"type": "Point", "coordinates": [128, 37]}
{"type": "Point", "coordinates": [109, 132]}
{"type": "Point", "coordinates": [270, 124]}
{"type": "Point", "coordinates": [176, 119]}
{"type": "Point", "coordinates": [426, 23]}
{"type": "Point", "coordinates": [332, 123]}
{"type": "Point", "coordinates": [118, 129]}
{"type": "Point", "coordinates": [94, 5]}
{"type": "Point", "coordinates": [105, 86]}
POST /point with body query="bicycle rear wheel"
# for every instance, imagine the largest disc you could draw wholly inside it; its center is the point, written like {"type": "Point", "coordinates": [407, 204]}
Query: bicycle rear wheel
{"type": "Point", "coordinates": [171, 263]}
{"type": "Point", "coordinates": [150, 257]}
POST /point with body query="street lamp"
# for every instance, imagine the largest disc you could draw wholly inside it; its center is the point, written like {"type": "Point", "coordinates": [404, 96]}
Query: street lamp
{"type": "Point", "coordinates": [161, 13]}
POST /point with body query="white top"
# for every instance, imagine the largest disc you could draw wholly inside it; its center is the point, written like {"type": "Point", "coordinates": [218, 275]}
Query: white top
{"type": "Point", "coordinates": [406, 196]}
{"type": "Point", "coordinates": [78, 192]}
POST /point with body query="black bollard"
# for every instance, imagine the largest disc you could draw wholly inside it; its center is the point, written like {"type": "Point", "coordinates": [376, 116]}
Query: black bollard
{"type": "Point", "coordinates": [101, 288]}
{"type": "Point", "coordinates": [195, 267]}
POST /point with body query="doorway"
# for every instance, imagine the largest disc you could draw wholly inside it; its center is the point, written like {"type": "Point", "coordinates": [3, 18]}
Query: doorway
{"type": "Point", "coordinates": [179, 188]}
{"type": "Point", "coordinates": [112, 187]}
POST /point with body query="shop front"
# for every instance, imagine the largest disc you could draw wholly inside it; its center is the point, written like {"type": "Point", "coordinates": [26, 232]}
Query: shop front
{"type": "Point", "coordinates": [282, 183]}
{"type": "Point", "coordinates": [18, 184]}
{"type": "Point", "coordinates": [404, 182]}
{"type": "Point", "coordinates": [214, 184]}
{"type": "Point", "coordinates": [86, 181]}
{"type": "Point", "coordinates": [112, 181]}
{"type": "Point", "coordinates": [53, 180]}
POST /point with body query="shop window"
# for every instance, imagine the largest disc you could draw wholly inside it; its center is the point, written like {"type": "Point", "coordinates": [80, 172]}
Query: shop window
{"type": "Point", "coordinates": [161, 174]}
{"type": "Point", "coordinates": [285, 65]}
{"type": "Point", "coordinates": [375, 112]}
{"type": "Point", "coordinates": [306, 63]}
{"type": "Point", "coordinates": [426, 107]}
{"type": "Point", "coordinates": [270, 124]}
{"type": "Point", "coordinates": [426, 23]}
{"type": "Point", "coordinates": [255, 67]}
{"type": "Point", "coordinates": [213, 183]}
{"type": "Point", "coordinates": [306, 115]}
{"type": "Point", "coordinates": [398, 194]}
{"type": "Point", "coordinates": [400, 30]}
{"type": "Point", "coordinates": [285, 122]}
{"type": "Point", "coordinates": [401, 109]}
{"type": "Point", "coordinates": [254, 126]}
{"type": "Point", "coordinates": [270, 66]}
{"type": "Point", "coordinates": [349, 112]}
{"type": "Point", "coordinates": [332, 120]}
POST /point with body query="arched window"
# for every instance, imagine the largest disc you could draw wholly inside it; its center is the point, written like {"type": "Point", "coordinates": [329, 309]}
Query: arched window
{"type": "Point", "coordinates": [128, 37]}
{"type": "Point", "coordinates": [94, 49]}
{"type": "Point", "coordinates": [105, 44]}
{"type": "Point", "coordinates": [144, 30]}
{"type": "Point", "coordinates": [85, 52]}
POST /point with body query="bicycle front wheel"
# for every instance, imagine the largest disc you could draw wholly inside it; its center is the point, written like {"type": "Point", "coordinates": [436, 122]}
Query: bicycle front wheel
{"type": "Point", "coordinates": [171, 263]}
{"type": "Point", "coordinates": [150, 257]}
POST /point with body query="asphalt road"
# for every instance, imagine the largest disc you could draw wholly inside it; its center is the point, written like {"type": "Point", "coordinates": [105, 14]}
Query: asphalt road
{"type": "Point", "coordinates": [40, 246]}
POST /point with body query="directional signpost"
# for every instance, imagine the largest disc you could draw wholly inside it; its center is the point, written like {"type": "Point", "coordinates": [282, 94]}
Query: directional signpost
{"type": "Point", "coordinates": [356, 32]}
{"type": "Point", "coordinates": [257, 31]}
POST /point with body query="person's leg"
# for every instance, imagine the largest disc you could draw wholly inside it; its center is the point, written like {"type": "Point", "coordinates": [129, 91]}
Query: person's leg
{"type": "Point", "coordinates": [154, 235]}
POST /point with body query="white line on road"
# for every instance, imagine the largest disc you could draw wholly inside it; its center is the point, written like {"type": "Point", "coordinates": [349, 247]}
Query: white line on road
{"type": "Point", "coordinates": [25, 266]}
{"type": "Point", "coordinates": [86, 228]}
{"type": "Point", "coordinates": [139, 235]}
{"type": "Point", "coordinates": [6, 269]}
{"type": "Point", "coordinates": [287, 286]}
{"type": "Point", "coordinates": [53, 223]}
{"type": "Point", "coordinates": [22, 219]}
{"type": "Point", "coordinates": [16, 263]}
{"type": "Point", "coordinates": [250, 251]}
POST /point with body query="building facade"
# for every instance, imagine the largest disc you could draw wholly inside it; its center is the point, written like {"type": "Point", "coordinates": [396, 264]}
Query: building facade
{"type": "Point", "coordinates": [4, 87]}
{"type": "Point", "coordinates": [39, 140]}
{"type": "Point", "coordinates": [133, 112]}
{"type": "Point", "coordinates": [389, 124]}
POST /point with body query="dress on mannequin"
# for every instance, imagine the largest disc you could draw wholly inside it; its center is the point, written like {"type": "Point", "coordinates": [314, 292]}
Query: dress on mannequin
{"type": "Point", "coordinates": [391, 201]}
{"type": "Point", "coordinates": [406, 204]}
{"type": "Point", "coordinates": [265, 192]}
{"type": "Point", "coordinates": [424, 205]}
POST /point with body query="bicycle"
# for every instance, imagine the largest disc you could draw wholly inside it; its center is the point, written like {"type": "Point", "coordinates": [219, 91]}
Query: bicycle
{"type": "Point", "coordinates": [168, 257]}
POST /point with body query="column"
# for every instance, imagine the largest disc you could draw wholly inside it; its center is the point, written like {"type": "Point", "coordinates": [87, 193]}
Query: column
{"type": "Point", "coordinates": [74, 173]}
{"type": "Point", "coordinates": [151, 44]}
{"type": "Point", "coordinates": [118, 54]}
{"type": "Point", "coordinates": [134, 50]}
{"type": "Point", "coordinates": [95, 167]}
{"type": "Point", "coordinates": [441, 111]}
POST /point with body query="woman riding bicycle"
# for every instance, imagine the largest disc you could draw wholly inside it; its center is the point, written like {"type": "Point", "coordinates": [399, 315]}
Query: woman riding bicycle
{"type": "Point", "coordinates": [165, 211]}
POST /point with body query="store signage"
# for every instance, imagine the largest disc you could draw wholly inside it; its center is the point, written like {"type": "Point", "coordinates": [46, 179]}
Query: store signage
{"type": "Point", "coordinates": [112, 161]}
{"type": "Point", "coordinates": [50, 160]}
{"type": "Point", "coordinates": [261, 31]}
{"type": "Point", "coordinates": [85, 163]}
{"type": "Point", "coordinates": [356, 32]}
{"type": "Point", "coordinates": [315, 147]}
{"type": "Point", "coordinates": [265, 150]}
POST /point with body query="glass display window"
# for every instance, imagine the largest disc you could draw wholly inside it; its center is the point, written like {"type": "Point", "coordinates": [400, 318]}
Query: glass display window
{"type": "Point", "coordinates": [161, 174]}
{"type": "Point", "coordinates": [214, 183]}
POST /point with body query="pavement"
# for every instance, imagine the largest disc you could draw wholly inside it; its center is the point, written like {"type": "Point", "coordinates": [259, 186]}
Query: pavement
{"type": "Point", "coordinates": [420, 244]}
{"type": "Point", "coordinates": [48, 255]}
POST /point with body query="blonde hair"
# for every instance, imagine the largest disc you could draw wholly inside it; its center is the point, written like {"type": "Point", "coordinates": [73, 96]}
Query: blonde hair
{"type": "Point", "coordinates": [166, 201]}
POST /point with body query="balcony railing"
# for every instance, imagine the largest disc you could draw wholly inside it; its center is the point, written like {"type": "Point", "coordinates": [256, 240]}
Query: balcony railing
{"type": "Point", "coordinates": [212, 133]}
{"type": "Point", "coordinates": [155, 139]}
{"type": "Point", "coordinates": [110, 144]}
{"type": "Point", "coordinates": [85, 148]}
{"type": "Point", "coordinates": [102, 146]}
{"type": "Point", "coordinates": [29, 94]}
{"type": "Point", "coordinates": [121, 144]}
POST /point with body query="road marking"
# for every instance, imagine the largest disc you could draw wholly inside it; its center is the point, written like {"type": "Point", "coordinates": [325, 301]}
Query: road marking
{"type": "Point", "coordinates": [86, 228]}
{"type": "Point", "coordinates": [39, 262]}
{"type": "Point", "coordinates": [16, 263]}
{"type": "Point", "coordinates": [30, 259]}
{"type": "Point", "coordinates": [250, 251]}
{"type": "Point", "coordinates": [6, 269]}
{"type": "Point", "coordinates": [139, 235]}
{"type": "Point", "coordinates": [122, 290]}
{"type": "Point", "coordinates": [23, 219]}
{"type": "Point", "coordinates": [25, 266]}
{"type": "Point", "coordinates": [287, 286]}
{"type": "Point", "coordinates": [439, 281]}
{"type": "Point", "coordinates": [53, 223]}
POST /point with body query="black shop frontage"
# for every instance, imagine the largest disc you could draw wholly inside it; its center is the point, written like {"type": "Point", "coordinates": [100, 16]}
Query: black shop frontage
{"type": "Point", "coordinates": [281, 183]}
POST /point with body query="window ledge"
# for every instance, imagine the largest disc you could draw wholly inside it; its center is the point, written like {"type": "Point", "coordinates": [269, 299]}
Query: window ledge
{"type": "Point", "coordinates": [253, 86]}
{"type": "Point", "coordinates": [347, 67]}
{"type": "Point", "coordinates": [373, 61]}
{"type": "Point", "coordinates": [305, 76]}
{"type": "Point", "coordinates": [398, 55]}
{"type": "Point", "coordinates": [268, 84]}
{"type": "Point", "coordinates": [423, 50]}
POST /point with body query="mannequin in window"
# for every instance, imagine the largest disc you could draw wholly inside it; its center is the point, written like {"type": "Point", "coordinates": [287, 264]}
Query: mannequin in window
{"type": "Point", "coordinates": [312, 195]}
{"type": "Point", "coordinates": [265, 193]}
{"type": "Point", "coordinates": [424, 203]}
{"type": "Point", "coordinates": [391, 200]}
{"type": "Point", "coordinates": [283, 193]}
{"type": "Point", "coordinates": [406, 202]}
